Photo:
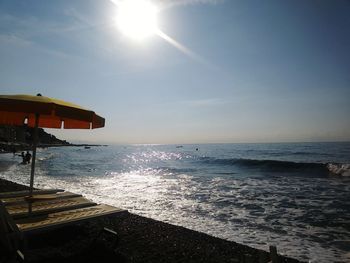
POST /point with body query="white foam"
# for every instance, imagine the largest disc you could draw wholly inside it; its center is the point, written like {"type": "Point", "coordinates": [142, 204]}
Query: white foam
{"type": "Point", "coordinates": [339, 169]}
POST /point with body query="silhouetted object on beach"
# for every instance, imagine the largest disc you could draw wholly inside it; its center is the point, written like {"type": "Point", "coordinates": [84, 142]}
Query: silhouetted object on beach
{"type": "Point", "coordinates": [28, 157]}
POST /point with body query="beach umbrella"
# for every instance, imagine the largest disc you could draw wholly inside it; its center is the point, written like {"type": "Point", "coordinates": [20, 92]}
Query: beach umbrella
{"type": "Point", "coordinates": [44, 112]}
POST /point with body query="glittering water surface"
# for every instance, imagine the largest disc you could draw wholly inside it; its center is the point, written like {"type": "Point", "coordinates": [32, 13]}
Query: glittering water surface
{"type": "Point", "coordinates": [295, 196]}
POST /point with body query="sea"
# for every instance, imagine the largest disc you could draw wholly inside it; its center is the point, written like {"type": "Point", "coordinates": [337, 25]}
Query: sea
{"type": "Point", "coordinates": [295, 196]}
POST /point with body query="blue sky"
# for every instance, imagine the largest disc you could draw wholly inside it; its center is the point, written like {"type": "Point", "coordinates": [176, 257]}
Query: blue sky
{"type": "Point", "coordinates": [263, 71]}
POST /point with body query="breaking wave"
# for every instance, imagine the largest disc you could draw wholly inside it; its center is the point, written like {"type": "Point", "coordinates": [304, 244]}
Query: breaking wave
{"type": "Point", "coordinates": [322, 169]}
{"type": "Point", "coordinates": [339, 169]}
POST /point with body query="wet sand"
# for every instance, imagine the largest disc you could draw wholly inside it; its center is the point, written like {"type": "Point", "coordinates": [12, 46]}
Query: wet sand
{"type": "Point", "coordinates": [139, 239]}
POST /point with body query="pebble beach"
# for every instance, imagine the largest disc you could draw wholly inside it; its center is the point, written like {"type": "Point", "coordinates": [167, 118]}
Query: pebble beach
{"type": "Point", "coordinates": [140, 239]}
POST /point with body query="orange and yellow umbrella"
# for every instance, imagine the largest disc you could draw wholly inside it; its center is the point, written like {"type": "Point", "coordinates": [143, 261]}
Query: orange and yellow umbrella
{"type": "Point", "coordinates": [54, 113]}
{"type": "Point", "coordinates": [39, 111]}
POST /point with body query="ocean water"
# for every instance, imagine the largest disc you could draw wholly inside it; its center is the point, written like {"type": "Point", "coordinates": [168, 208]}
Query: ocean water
{"type": "Point", "coordinates": [295, 196]}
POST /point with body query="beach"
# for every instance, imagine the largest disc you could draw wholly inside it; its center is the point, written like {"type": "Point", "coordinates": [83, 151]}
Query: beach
{"type": "Point", "coordinates": [140, 240]}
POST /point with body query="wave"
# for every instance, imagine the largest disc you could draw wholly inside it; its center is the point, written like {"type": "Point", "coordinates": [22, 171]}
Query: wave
{"type": "Point", "coordinates": [172, 170]}
{"type": "Point", "coordinates": [283, 166]}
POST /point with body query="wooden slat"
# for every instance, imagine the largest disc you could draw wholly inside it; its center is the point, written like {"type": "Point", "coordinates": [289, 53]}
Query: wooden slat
{"type": "Point", "coordinates": [22, 199]}
{"type": "Point", "coordinates": [48, 206]}
{"type": "Point", "coordinates": [36, 224]}
{"type": "Point", "coordinates": [26, 192]}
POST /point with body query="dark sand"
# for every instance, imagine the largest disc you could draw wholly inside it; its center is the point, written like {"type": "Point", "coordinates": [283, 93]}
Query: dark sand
{"type": "Point", "coordinates": [140, 239]}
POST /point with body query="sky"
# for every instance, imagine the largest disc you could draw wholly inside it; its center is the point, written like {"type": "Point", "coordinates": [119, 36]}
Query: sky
{"type": "Point", "coordinates": [223, 72]}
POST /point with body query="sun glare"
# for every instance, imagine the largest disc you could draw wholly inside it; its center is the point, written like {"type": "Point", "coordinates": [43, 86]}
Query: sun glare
{"type": "Point", "coordinates": [137, 18]}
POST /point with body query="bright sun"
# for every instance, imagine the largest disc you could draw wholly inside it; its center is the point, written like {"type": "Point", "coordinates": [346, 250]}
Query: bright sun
{"type": "Point", "coordinates": [137, 18]}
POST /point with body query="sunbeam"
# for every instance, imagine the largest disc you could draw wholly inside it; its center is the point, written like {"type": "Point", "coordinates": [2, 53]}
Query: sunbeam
{"type": "Point", "coordinates": [137, 19]}
{"type": "Point", "coordinates": [181, 47]}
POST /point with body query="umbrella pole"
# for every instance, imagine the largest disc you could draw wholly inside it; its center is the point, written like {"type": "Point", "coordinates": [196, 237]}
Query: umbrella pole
{"type": "Point", "coordinates": [35, 142]}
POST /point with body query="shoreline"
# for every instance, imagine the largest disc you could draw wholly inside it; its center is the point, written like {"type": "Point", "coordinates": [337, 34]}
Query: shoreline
{"type": "Point", "coordinates": [141, 239]}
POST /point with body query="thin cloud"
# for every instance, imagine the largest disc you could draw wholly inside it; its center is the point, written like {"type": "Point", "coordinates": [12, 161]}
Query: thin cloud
{"type": "Point", "coordinates": [28, 27]}
{"type": "Point", "coordinates": [25, 32]}
{"type": "Point", "coordinates": [14, 40]}
{"type": "Point", "coordinates": [205, 102]}
{"type": "Point", "coordinates": [171, 3]}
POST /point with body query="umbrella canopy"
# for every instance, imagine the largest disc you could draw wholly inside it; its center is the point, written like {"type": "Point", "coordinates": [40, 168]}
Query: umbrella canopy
{"type": "Point", "coordinates": [39, 111]}
{"type": "Point", "coordinates": [54, 113]}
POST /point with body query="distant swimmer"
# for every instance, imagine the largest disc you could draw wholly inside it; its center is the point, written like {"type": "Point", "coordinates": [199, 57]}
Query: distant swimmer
{"type": "Point", "coordinates": [196, 149]}
{"type": "Point", "coordinates": [27, 158]}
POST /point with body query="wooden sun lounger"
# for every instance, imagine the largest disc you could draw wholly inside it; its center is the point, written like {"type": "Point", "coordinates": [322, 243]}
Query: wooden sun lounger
{"type": "Point", "coordinates": [54, 220]}
{"type": "Point", "coordinates": [23, 199]}
{"type": "Point", "coordinates": [26, 193]}
{"type": "Point", "coordinates": [47, 206]}
{"type": "Point", "coordinates": [14, 231]}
